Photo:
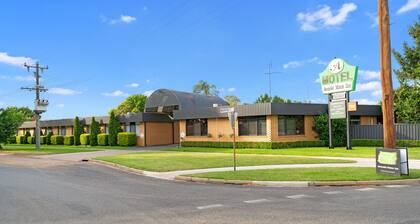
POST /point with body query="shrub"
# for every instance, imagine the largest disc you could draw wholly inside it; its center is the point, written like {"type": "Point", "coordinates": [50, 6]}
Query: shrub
{"type": "Point", "coordinates": [30, 140]}
{"type": "Point", "coordinates": [255, 145]}
{"type": "Point", "coordinates": [27, 135]}
{"type": "Point", "coordinates": [57, 140]}
{"type": "Point", "coordinates": [12, 140]}
{"type": "Point", "coordinates": [103, 139]}
{"type": "Point", "coordinates": [338, 126]}
{"type": "Point", "coordinates": [78, 130]}
{"type": "Point", "coordinates": [114, 129]}
{"type": "Point", "coordinates": [127, 139]}
{"type": "Point", "coordinates": [48, 139]}
{"type": "Point", "coordinates": [21, 139]}
{"type": "Point", "coordinates": [380, 143]}
{"type": "Point", "coordinates": [85, 139]}
{"type": "Point", "coordinates": [43, 140]}
{"type": "Point", "coordinates": [68, 140]}
{"type": "Point", "coordinates": [94, 131]}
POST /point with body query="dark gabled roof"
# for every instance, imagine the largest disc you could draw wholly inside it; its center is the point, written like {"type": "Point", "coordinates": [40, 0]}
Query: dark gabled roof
{"type": "Point", "coordinates": [177, 100]}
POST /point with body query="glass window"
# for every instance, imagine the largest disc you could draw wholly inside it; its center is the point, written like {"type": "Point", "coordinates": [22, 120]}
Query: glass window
{"type": "Point", "coordinates": [132, 127]}
{"type": "Point", "coordinates": [355, 120]}
{"type": "Point", "coordinates": [49, 130]}
{"type": "Point", "coordinates": [197, 127]}
{"type": "Point", "coordinates": [291, 125]}
{"type": "Point", "coordinates": [63, 131]}
{"type": "Point", "coordinates": [252, 125]}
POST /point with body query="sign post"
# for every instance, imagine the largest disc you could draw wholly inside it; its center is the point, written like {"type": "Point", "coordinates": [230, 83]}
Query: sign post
{"type": "Point", "coordinates": [233, 117]}
{"type": "Point", "coordinates": [337, 80]}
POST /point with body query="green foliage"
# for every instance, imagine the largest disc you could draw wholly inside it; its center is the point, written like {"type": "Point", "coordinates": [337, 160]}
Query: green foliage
{"type": "Point", "coordinates": [43, 140]}
{"type": "Point", "coordinates": [127, 139]}
{"type": "Point", "coordinates": [103, 139]}
{"type": "Point", "coordinates": [407, 96]}
{"type": "Point", "coordinates": [265, 98]}
{"type": "Point", "coordinates": [85, 139]}
{"type": "Point", "coordinates": [232, 100]}
{"type": "Point", "coordinates": [255, 145]}
{"type": "Point", "coordinates": [69, 140]}
{"type": "Point", "coordinates": [48, 138]}
{"type": "Point", "coordinates": [21, 139]}
{"type": "Point", "coordinates": [114, 128]}
{"type": "Point", "coordinates": [205, 88]}
{"type": "Point", "coordinates": [94, 131]}
{"type": "Point", "coordinates": [57, 140]}
{"type": "Point", "coordinates": [338, 129]}
{"type": "Point", "coordinates": [380, 143]}
{"type": "Point", "coordinates": [30, 139]}
{"type": "Point", "coordinates": [134, 103]}
{"type": "Point", "coordinates": [12, 140]}
{"type": "Point", "coordinates": [11, 119]}
{"type": "Point", "coordinates": [77, 130]}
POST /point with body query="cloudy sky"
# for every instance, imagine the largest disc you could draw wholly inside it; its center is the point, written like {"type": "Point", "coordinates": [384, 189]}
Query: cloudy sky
{"type": "Point", "coordinates": [99, 52]}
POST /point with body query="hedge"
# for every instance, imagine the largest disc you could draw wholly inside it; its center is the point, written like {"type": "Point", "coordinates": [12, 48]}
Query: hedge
{"type": "Point", "coordinates": [85, 139]}
{"type": "Point", "coordinates": [255, 145]}
{"type": "Point", "coordinates": [103, 139]}
{"type": "Point", "coordinates": [12, 140]}
{"type": "Point", "coordinates": [43, 140]}
{"type": "Point", "coordinates": [21, 139]}
{"type": "Point", "coordinates": [30, 140]}
{"type": "Point", "coordinates": [380, 143]}
{"type": "Point", "coordinates": [57, 140]}
{"type": "Point", "coordinates": [127, 139]}
{"type": "Point", "coordinates": [68, 140]}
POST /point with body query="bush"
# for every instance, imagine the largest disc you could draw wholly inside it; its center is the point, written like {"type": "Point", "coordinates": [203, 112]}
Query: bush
{"type": "Point", "coordinates": [127, 139]}
{"type": "Point", "coordinates": [43, 140]}
{"type": "Point", "coordinates": [57, 140]}
{"type": "Point", "coordinates": [94, 131]}
{"type": "Point", "coordinates": [21, 139]}
{"type": "Point", "coordinates": [69, 140]}
{"type": "Point", "coordinates": [48, 138]}
{"type": "Point", "coordinates": [255, 145]}
{"type": "Point", "coordinates": [380, 143]}
{"type": "Point", "coordinates": [30, 140]}
{"type": "Point", "coordinates": [103, 139]}
{"type": "Point", "coordinates": [12, 140]}
{"type": "Point", "coordinates": [85, 139]}
{"type": "Point", "coordinates": [338, 126]}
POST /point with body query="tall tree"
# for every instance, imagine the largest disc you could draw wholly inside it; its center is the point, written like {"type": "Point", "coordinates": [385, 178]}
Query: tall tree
{"type": "Point", "coordinates": [263, 98]}
{"type": "Point", "coordinates": [277, 99]}
{"type": "Point", "coordinates": [94, 131]}
{"type": "Point", "coordinates": [134, 103]}
{"type": "Point", "coordinates": [232, 100]}
{"type": "Point", "coordinates": [407, 96]}
{"type": "Point", "coordinates": [114, 128]}
{"type": "Point", "coordinates": [11, 119]}
{"type": "Point", "coordinates": [205, 88]}
{"type": "Point", "coordinates": [77, 130]}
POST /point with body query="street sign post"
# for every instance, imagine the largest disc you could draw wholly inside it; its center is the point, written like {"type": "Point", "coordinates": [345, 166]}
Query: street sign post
{"type": "Point", "coordinates": [233, 117]}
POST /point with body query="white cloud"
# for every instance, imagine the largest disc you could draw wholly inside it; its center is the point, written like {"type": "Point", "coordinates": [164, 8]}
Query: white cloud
{"type": "Point", "coordinates": [63, 91]}
{"type": "Point", "coordinates": [148, 81]}
{"type": "Point", "coordinates": [127, 19]}
{"type": "Point", "coordinates": [24, 78]}
{"type": "Point", "coordinates": [377, 92]}
{"type": "Point", "coordinates": [232, 89]}
{"type": "Point", "coordinates": [324, 17]}
{"type": "Point", "coordinates": [16, 61]}
{"type": "Point", "coordinates": [369, 74]}
{"type": "Point", "coordinates": [1, 103]}
{"type": "Point", "coordinates": [317, 80]}
{"type": "Point", "coordinates": [369, 86]}
{"type": "Point", "coordinates": [374, 18]}
{"type": "Point", "coordinates": [115, 93]}
{"type": "Point", "coordinates": [148, 92]}
{"type": "Point", "coordinates": [295, 64]}
{"type": "Point", "coordinates": [61, 105]}
{"type": "Point", "coordinates": [365, 101]}
{"type": "Point", "coordinates": [133, 85]}
{"type": "Point", "coordinates": [410, 5]}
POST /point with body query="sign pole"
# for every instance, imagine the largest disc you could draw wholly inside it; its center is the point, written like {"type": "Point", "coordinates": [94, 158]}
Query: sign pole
{"type": "Point", "coordinates": [330, 137]}
{"type": "Point", "coordinates": [234, 149]}
{"type": "Point", "coordinates": [348, 122]}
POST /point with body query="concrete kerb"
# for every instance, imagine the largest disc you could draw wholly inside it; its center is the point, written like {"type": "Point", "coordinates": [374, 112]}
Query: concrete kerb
{"type": "Point", "coordinates": [118, 167]}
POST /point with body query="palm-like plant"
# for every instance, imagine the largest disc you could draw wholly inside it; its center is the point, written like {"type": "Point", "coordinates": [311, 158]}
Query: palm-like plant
{"type": "Point", "coordinates": [205, 88]}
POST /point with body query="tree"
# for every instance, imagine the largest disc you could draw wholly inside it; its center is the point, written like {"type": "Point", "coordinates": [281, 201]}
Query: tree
{"type": "Point", "coordinates": [263, 98]}
{"type": "Point", "coordinates": [205, 88]}
{"type": "Point", "coordinates": [232, 100]}
{"type": "Point", "coordinates": [134, 103]}
{"type": "Point", "coordinates": [11, 119]}
{"type": "Point", "coordinates": [277, 99]}
{"type": "Point", "coordinates": [27, 113]}
{"type": "Point", "coordinates": [407, 96]}
{"type": "Point", "coordinates": [338, 129]}
{"type": "Point", "coordinates": [114, 128]}
{"type": "Point", "coordinates": [78, 130]}
{"type": "Point", "coordinates": [94, 131]}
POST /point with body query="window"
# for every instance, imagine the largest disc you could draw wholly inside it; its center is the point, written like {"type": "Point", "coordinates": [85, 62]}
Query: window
{"type": "Point", "coordinates": [62, 131]}
{"type": "Point", "coordinates": [49, 130]}
{"type": "Point", "coordinates": [197, 127]}
{"type": "Point", "coordinates": [132, 127]}
{"type": "Point", "coordinates": [252, 125]}
{"type": "Point", "coordinates": [291, 125]}
{"type": "Point", "coordinates": [355, 120]}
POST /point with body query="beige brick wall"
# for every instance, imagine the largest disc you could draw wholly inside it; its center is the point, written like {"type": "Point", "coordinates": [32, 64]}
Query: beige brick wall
{"type": "Point", "coordinates": [159, 133]}
{"type": "Point", "coordinates": [366, 120]}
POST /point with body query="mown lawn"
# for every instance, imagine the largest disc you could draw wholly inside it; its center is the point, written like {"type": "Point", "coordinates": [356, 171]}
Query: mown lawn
{"type": "Point", "coordinates": [306, 174]}
{"type": "Point", "coordinates": [53, 149]}
{"type": "Point", "coordinates": [361, 152]}
{"type": "Point", "coordinates": [172, 161]}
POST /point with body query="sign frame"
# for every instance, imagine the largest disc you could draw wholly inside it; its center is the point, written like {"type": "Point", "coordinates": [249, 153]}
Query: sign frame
{"type": "Point", "coordinates": [385, 164]}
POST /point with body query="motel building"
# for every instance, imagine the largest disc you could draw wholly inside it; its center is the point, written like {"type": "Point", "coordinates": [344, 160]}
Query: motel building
{"type": "Point", "coordinates": [170, 114]}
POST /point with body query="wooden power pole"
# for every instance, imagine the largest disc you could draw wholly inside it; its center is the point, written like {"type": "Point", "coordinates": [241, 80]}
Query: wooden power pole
{"type": "Point", "coordinates": [386, 75]}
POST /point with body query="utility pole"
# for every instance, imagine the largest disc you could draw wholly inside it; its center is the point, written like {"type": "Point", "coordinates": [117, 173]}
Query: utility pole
{"type": "Point", "coordinates": [386, 75]}
{"type": "Point", "coordinates": [269, 73]}
{"type": "Point", "coordinates": [40, 105]}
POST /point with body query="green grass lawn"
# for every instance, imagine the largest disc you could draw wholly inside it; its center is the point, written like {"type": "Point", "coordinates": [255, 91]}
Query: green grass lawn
{"type": "Point", "coordinates": [53, 149]}
{"type": "Point", "coordinates": [362, 152]}
{"type": "Point", "coordinates": [306, 174]}
{"type": "Point", "coordinates": [172, 161]}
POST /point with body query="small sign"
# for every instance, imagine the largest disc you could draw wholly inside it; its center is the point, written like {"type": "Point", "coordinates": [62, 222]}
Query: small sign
{"type": "Point", "coordinates": [352, 106]}
{"type": "Point", "coordinates": [339, 96]}
{"type": "Point", "coordinates": [337, 109]}
{"type": "Point", "coordinates": [225, 110]}
{"type": "Point", "coordinates": [391, 161]}
{"type": "Point", "coordinates": [338, 77]}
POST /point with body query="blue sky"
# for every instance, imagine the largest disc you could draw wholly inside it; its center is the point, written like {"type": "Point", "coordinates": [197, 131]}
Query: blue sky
{"type": "Point", "coordinates": [99, 52]}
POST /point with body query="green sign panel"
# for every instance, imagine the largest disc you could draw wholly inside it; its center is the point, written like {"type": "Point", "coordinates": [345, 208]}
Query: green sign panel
{"type": "Point", "coordinates": [338, 77]}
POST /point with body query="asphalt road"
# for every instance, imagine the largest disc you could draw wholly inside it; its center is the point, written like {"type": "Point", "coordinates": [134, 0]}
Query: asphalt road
{"type": "Point", "coordinates": [86, 193]}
